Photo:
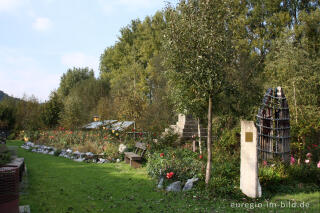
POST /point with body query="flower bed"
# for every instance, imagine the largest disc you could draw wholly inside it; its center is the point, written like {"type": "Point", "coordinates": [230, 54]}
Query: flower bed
{"type": "Point", "coordinates": [101, 141]}
{"type": "Point", "coordinates": [175, 164]}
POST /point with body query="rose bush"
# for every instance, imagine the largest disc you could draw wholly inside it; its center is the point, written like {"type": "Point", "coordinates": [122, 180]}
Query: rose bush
{"type": "Point", "coordinates": [180, 164]}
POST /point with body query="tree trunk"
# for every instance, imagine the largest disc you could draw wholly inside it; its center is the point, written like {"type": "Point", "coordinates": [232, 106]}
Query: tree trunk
{"type": "Point", "coordinates": [199, 136]}
{"type": "Point", "coordinates": [208, 170]}
{"type": "Point", "coordinates": [295, 102]}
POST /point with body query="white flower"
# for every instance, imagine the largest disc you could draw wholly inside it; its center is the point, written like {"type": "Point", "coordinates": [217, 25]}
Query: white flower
{"type": "Point", "coordinates": [122, 148]}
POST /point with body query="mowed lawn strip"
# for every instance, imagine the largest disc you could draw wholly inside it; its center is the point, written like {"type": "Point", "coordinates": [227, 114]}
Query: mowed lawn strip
{"type": "Point", "coordinates": [56, 184]}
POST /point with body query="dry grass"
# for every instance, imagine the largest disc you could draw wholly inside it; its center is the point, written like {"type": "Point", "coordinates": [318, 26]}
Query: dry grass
{"type": "Point", "coordinates": [88, 147]}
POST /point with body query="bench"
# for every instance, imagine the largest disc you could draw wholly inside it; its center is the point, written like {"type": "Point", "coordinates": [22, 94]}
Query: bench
{"type": "Point", "coordinates": [135, 158]}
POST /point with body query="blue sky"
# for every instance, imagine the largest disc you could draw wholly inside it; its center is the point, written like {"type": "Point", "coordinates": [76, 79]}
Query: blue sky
{"type": "Point", "coordinates": [41, 39]}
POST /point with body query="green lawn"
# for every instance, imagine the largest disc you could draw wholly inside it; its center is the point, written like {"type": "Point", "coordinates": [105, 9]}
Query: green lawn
{"type": "Point", "coordinates": [56, 184]}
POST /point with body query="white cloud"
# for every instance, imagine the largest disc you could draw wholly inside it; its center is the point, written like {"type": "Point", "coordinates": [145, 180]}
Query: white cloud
{"type": "Point", "coordinates": [42, 24]}
{"type": "Point", "coordinates": [79, 59]}
{"type": "Point", "coordinates": [10, 5]}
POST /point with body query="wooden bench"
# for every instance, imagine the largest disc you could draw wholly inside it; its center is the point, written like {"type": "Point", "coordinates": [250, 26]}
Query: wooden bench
{"type": "Point", "coordinates": [135, 158]}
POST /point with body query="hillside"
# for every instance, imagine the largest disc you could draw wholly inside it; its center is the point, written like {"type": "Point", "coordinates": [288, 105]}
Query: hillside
{"type": "Point", "coordinates": [3, 95]}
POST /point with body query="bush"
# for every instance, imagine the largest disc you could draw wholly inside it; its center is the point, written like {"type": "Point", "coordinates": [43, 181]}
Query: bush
{"type": "Point", "coordinates": [111, 151]}
{"type": "Point", "coordinates": [304, 173]}
{"type": "Point", "coordinates": [170, 139]}
{"type": "Point", "coordinates": [279, 174]}
{"type": "Point", "coordinates": [12, 136]}
{"type": "Point", "coordinates": [225, 175]}
{"type": "Point", "coordinates": [57, 152]}
{"type": "Point", "coordinates": [5, 155]}
{"type": "Point", "coordinates": [183, 163]}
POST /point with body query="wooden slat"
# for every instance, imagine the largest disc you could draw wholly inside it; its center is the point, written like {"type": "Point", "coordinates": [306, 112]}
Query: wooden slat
{"type": "Point", "coordinates": [132, 156]}
{"type": "Point", "coordinates": [141, 145]}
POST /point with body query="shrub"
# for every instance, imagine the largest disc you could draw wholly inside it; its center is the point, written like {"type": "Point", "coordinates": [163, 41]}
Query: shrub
{"type": "Point", "coordinates": [111, 151]}
{"type": "Point", "coordinates": [169, 140]}
{"type": "Point", "coordinates": [88, 147]}
{"type": "Point", "coordinates": [5, 155]}
{"type": "Point", "coordinates": [225, 175]}
{"type": "Point", "coordinates": [304, 173]}
{"type": "Point", "coordinates": [57, 152]}
{"type": "Point", "coordinates": [183, 163]}
{"type": "Point", "coordinates": [12, 136]}
{"type": "Point", "coordinates": [279, 174]}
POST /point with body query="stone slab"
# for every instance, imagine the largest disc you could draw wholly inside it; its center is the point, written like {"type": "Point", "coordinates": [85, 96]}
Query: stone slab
{"type": "Point", "coordinates": [249, 181]}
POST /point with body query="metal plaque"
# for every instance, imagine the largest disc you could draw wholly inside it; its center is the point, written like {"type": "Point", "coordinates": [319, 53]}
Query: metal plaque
{"type": "Point", "coordinates": [249, 136]}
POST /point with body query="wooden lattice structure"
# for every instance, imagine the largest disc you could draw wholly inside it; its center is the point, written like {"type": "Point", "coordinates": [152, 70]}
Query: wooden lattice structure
{"type": "Point", "coordinates": [273, 125]}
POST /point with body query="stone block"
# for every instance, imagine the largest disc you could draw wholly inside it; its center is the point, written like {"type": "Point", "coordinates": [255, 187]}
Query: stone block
{"type": "Point", "coordinates": [249, 181]}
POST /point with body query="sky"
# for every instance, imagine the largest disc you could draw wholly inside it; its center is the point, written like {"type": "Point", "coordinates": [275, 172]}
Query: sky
{"type": "Point", "coordinates": [41, 39]}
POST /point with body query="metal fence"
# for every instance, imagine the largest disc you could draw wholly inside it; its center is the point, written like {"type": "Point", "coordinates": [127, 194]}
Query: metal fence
{"type": "Point", "coordinates": [273, 125]}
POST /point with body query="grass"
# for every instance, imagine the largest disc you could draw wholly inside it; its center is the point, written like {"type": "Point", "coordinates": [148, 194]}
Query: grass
{"type": "Point", "coordinates": [56, 184]}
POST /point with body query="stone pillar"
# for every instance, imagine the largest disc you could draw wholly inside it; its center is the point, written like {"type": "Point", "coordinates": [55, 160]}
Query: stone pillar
{"type": "Point", "coordinates": [249, 181]}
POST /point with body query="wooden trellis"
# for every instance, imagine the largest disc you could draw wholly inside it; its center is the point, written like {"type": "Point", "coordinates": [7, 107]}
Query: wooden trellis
{"type": "Point", "coordinates": [273, 125]}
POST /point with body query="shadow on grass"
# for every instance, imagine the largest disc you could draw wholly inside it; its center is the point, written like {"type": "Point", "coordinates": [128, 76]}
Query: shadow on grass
{"type": "Point", "coordinates": [56, 184]}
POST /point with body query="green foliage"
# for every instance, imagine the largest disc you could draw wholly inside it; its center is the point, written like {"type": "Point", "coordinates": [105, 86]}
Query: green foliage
{"type": "Point", "coordinates": [109, 181]}
{"type": "Point", "coordinates": [73, 113]}
{"type": "Point", "coordinates": [80, 92]}
{"type": "Point", "coordinates": [201, 62]}
{"type": "Point", "coordinates": [183, 163]}
{"type": "Point", "coordinates": [96, 141]}
{"type": "Point", "coordinates": [220, 62]}
{"type": "Point", "coordinates": [7, 114]}
{"type": "Point", "coordinates": [293, 63]}
{"type": "Point", "coordinates": [304, 173]}
{"type": "Point", "coordinates": [57, 152]}
{"type": "Point", "coordinates": [111, 151]}
{"type": "Point", "coordinates": [168, 140]}
{"type": "Point", "coordinates": [280, 177]}
{"type": "Point", "coordinates": [3, 95]}
{"type": "Point", "coordinates": [28, 114]}
{"type": "Point", "coordinates": [5, 155]}
{"type": "Point", "coordinates": [72, 78]}
{"type": "Point", "coordinates": [133, 66]}
{"type": "Point", "coordinates": [267, 19]}
{"type": "Point", "coordinates": [225, 179]}
{"type": "Point", "coordinates": [51, 111]}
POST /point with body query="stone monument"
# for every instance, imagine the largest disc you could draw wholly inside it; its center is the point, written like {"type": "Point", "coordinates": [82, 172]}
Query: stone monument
{"type": "Point", "coordinates": [249, 181]}
{"type": "Point", "coordinates": [186, 127]}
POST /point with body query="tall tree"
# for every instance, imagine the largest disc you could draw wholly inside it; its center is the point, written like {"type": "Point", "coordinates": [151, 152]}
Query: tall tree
{"type": "Point", "coordinates": [200, 51]}
{"type": "Point", "coordinates": [7, 113]}
{"type": "Point", "coordinates": [293, 63]}
{"type": "Point", "coordinates": [73, 77]}
{"type": "Point", "coordinates": [266, 20]}
{"type": "Point", "coordinates": [133, 66]}
{"type": "Point", "coordinates": [51, 110]}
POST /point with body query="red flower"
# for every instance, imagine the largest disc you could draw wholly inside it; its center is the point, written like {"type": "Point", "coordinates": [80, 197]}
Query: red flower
{"type": "Point", "coordinates": [264, 163]}
{"type": "Point", "coordinates": [140, 133]}
{"type": "Point", "coordinates": [200, 156]}
{"type": "Point", "coordinates": [161, 154]}
{"type": "Point", "coordinates": [170, 175]}
{"type": "Point", "coordinates": [133, 130]}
